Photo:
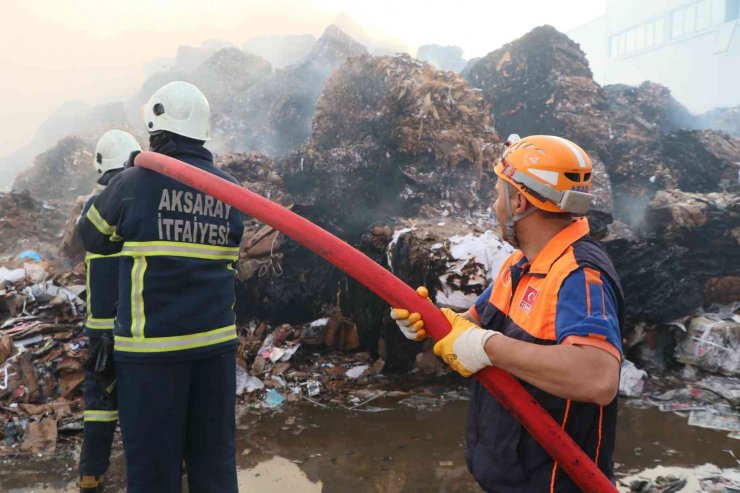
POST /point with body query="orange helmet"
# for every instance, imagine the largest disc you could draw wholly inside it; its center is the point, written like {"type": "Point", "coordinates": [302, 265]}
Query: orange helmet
{"type": "Point", "coordinates": [553, 173]}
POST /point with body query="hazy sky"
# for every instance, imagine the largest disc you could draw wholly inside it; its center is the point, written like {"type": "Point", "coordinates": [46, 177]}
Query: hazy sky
{"type": "Point", "coordinates": [52, 51]}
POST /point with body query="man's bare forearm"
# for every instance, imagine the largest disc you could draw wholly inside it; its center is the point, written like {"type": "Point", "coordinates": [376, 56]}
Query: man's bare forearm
{"type": "Point", "coordinates": [581, 373]}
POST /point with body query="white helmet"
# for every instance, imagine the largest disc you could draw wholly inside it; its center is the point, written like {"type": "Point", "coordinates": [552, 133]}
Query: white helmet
{"type": "Point", "coordinates": [113, 150]}
{"type": "Point", "coordinates": [180, 108]}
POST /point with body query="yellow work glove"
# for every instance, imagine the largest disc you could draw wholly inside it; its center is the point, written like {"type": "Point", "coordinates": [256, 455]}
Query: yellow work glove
{"type": "Point", "coordinates": [411, 324]}
{"type": "Point", "coordinates": [463, 349]}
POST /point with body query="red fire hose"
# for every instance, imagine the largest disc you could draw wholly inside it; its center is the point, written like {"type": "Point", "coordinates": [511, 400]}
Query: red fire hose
{"type": "Point", "coordinates": [502, 385]}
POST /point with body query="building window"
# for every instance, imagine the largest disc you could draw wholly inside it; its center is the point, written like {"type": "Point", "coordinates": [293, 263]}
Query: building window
{"type": "Point", "coordinates": [703, 14]}
{"type": "Point", "coordinates": [659, 31]}
{"type": "Point", "coordinates": [693, 18]}
{"type": "Point", "coordinates": [732, 11]}
{"type": "Point", "coordinates": [677, 24]}
{"type": "Point", "coordinates": [717, 16]}
{"type": "Point", "coordinates": [630, 43]}
{"type": "Point", "coordinates": [639, 38]}
{"type": "Point", "coordinates": [689, 19]}
{"type": "Point", "coordinates": [649, 34]}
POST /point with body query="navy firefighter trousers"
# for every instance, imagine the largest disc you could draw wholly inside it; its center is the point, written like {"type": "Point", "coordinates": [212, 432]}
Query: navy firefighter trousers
{"type": "Point", "coordinates": [100, 417]}
{"type": "Point", "coordinates": [178, 411]}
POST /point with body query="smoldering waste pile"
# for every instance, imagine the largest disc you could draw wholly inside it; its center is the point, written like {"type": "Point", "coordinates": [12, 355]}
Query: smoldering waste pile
{"type": "Point", "coordinates": [689, 256]}
{"type": "Point", "coordinates": [392, 137]}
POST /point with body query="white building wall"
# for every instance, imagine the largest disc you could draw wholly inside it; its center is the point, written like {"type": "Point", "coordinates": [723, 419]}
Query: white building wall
{"type": "Point", "coordinates": [688, 46]}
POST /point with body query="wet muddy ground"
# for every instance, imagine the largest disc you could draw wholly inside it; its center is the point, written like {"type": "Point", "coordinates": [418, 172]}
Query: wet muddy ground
{"type": "Point", "coordinates": [306, 448]}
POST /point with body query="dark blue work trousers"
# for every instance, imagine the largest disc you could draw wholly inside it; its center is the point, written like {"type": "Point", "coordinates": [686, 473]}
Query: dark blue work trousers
{"type": "Point", "coordinates": [99, 427]}
{"type": "Point", "coordinates": [175, 411]}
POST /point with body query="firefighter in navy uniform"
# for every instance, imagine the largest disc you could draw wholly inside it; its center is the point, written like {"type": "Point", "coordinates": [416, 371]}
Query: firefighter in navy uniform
{"type": "Point", "coordinates": [552, 318]}
{"type": "Point", "coordinates": [175, 335]}
{"type": "Point", "coordinates": [101, 414]}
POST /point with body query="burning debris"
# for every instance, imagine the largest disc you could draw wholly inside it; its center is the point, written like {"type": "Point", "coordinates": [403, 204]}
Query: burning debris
{"type": "Point", "coordinates": [408, 104]}
{"type": "Point", "coordinates": [453, 257]}
{"type": "Point", "coordinates": [256, 172]}
{"type": "Point", "coordinates": [690, 240]}
{"type": "Point", "coordinates": [541, 84]}
{"type": "Point", "coordinates": [643, 113]}
{"type": "Point", "coordinates": [391, 136]}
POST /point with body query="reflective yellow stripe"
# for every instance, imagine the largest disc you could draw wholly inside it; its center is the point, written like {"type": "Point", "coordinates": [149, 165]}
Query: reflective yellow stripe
{"type": "Point", "coordinates": [100, 416]}
{"type": "Point", "coordinates": [99, 323]}
{"type": "Point", "coordinates": [138, 318]}
{"type": "Point", "coordinates": [93, 256]}
{"type": "Point", "coordinates": [175, 343]}
{"type": "Point", "coordinates": [88, 301]}
{"type": "Point", "coordinates": [179, 249]}
{"type": "Point", "coordinates": [100, 224]}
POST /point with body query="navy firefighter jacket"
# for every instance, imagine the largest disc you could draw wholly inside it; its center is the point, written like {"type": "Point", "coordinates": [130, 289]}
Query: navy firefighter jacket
{"type": "Point", "coordinates": [101, 287]}
{"type": "Point", "coordinates": [177, 248]}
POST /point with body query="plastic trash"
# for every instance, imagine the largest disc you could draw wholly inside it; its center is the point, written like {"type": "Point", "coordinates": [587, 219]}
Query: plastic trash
{"type": "Point", "coordinates": [46, 291]}
{"type": "Point", "coordinates": [356, 371]}
{"type": "Point", "coordinates": [712, 343]}
{"type": "Point", "coordinates": [313, 388]}
{"type": "Point", "coordinates": [632, 380]}
{"type": "Point", "coordinates": [273, 399]}
{"type": "Point", "coordinates": [11, 275]}
{"type": "Point", "coordinates": [29, 255]}
{"type": "Point", "coordinates": [246, 382]}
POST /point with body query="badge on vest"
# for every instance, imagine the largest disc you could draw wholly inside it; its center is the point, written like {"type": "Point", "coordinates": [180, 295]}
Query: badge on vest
{"type": "Point", "coordinates": [530, 296]}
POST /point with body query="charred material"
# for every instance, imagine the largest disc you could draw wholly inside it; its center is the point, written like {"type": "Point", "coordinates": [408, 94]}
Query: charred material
{"type": "Point", "coordinates": [286, 283]}
{"type": "Point", "coordinates": [642, 113]}
{"type": "Point", "coordinates": [256, 172]}
{"type": "Point", "coordinates": [691, 243]}
{"type": "Point", "coordinates": [541, 84]}
{"type": "Point", "coordinates": [390, 135]}
{"type": "Point", "coordinates": [278, 280]}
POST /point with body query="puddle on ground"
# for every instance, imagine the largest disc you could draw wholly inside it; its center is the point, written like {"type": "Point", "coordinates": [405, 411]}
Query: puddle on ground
{"type": "Point", "coordinates": [310, 449]}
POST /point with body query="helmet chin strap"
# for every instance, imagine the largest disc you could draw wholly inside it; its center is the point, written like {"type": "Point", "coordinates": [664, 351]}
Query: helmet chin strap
{"type": "Point", "coordinates": [509, 231]}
